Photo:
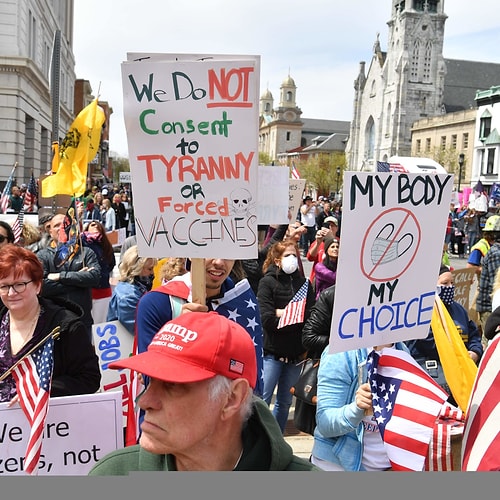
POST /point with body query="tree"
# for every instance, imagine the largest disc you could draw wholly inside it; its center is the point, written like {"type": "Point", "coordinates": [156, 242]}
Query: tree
{"type": "Point", "coordinates": [120, 164]}
{"type": "Point", "coordinates": [320, 171]}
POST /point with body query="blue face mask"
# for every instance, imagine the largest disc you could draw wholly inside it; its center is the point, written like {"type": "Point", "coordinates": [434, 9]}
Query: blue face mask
{"type": "Point", "coordinates": [446, 294]}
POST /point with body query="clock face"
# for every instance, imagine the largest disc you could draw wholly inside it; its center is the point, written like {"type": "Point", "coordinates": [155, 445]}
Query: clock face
{"type": "Point", "coordinates": [290, 116]}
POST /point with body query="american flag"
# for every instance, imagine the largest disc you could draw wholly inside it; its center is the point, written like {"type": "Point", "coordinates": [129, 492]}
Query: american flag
{"type": "Point", "coordinates": [383, 166]}
{"type": "Point", "coordinates": [481, 440]}
{"type": "Point", "coordinates": [295, 172]}
{"type": "Point", "coordinates": [294, 311]}
{"type": "Point", "coordinates": [17, 225]}
{"type": "Point", "coordinates": [406, 403]}
{"type": "Point", "coordinates": [33, 377]}
{"type": "Point", "coordinates": [5, 198]}
{"type": "Point", "coordinates": [31, 195]}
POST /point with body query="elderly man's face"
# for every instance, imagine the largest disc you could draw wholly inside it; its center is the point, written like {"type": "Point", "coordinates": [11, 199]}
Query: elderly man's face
{"type": "Point", "coordinates": [180, 419]}
{"type": "Point", "coordinates": [333, 228]}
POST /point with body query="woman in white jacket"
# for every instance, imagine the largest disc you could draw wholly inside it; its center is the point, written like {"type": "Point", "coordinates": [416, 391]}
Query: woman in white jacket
{"type": "Point", "coordinates": [108, 215]}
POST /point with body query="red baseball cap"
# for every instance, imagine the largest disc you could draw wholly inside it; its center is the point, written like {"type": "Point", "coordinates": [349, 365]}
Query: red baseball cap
{"type": "Point", "coordinates": [197, 346]}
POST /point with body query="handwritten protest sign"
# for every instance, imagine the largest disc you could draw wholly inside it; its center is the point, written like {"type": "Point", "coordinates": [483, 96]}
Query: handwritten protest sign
{"type": "Point", "coordinates": [296, 190]}
{"type": "Point", "coordinates": [389, 259]}
{"type": "Point", "coordinates": [463, 279]}
{"type": "Point", "coordinates": [273, 194]}
{"type": "Point", "coordinates": [79, 431]}
{"type": "Point", "coordinates": [192, 130]}
{"type": "Point", "coordinates": [112, 342]}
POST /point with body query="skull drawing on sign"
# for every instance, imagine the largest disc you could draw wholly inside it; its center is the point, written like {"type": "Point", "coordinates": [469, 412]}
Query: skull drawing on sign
{"type": "Point", "coordinates": [240, 201]}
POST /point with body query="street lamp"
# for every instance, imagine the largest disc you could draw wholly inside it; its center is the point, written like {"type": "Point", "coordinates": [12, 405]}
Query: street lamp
{"type": "Point", "coordinates": [461, 158]}
{"type": "Point", "coordinates": [338, 178]}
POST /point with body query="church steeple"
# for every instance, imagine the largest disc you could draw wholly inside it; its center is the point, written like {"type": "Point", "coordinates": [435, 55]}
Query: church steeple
{"type": "Point", "coordinates": [288, 92]}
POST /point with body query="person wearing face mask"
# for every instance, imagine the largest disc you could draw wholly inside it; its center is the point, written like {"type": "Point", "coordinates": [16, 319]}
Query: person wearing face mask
{"type": "Point", "coordinates": [136, 278]}
{"type": "Point", "coordinates": [425, 350]}
{"type": "Point", "coordinates": [283, 349]}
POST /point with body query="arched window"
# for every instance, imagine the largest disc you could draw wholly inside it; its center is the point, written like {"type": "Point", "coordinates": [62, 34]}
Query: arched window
{"type": "Point", "coordinates": [370, 138]}
{"type": "Point", "coordinates": [415, 56]}
{"type": "Point", "coordinates": [388, 120]}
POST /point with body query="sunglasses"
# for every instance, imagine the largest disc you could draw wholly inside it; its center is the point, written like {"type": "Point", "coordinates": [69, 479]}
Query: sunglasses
{"type": "Point", "coordinates": [3, 238]}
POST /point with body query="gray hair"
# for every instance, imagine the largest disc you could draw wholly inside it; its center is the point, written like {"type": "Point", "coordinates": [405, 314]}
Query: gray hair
{"type": "Point", "coordinates": [220, 386]}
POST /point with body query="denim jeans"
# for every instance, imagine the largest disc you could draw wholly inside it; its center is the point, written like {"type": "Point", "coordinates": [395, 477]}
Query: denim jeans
{"type": "Point", "coordinates": [284, 375]}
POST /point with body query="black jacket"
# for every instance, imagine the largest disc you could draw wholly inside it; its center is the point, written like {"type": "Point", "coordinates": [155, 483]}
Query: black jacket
{"type": "Point", "coordinates": [276, 289]}
{"type": "Point", "coordinates": [76, 365]}
{"type": "Point", "coordinates": [316, 331]}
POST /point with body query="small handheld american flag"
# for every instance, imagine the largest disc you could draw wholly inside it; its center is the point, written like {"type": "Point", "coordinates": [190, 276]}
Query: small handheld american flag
{"type": "Point", "coordinates": [294, 311]}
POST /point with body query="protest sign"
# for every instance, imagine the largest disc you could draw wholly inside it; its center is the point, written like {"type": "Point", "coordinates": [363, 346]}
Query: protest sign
{"type": "Point", "coordinates": [192, 131]}
{"type": "Point", "coordinates": [463, 279]}
{"type": "Point", "coordinates": [389, 258]}
{"type": "Point", "coordinates": [296, 190]}
{"type": "Point", "coordinates": [112, 342]}
{"type": "Point", "coordinates": [79, 431]}
{"type": "Point", "coordinates": [273, 195]}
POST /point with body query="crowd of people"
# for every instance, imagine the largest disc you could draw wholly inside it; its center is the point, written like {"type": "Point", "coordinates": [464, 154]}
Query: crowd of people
{"type": "Point", "coordinates": [242, 388]}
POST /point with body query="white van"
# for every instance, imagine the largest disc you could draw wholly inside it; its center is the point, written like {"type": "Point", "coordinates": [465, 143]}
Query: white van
{"type": "Point", "coordinates": [415, 164]}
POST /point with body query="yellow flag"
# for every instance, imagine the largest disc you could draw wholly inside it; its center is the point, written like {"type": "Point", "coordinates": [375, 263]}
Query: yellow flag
{"type": "Point", "coordinates": [78, 148]}
{"type": "Point", "coordinates": [458, 368]}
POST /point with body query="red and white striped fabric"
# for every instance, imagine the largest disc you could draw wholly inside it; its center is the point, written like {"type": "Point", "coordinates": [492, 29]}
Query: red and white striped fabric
{"type": "Point", "coordinates": [481, 441]}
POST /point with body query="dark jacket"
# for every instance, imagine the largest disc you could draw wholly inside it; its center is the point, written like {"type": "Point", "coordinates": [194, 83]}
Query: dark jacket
{"type": "Point", "coordinates": [316, 331]}
{"type": "Point", "coordinates": [276, 290]}
{"type": "Point", "coordinates": [76, 365]}
{"type": "Point", "coordinates": [74, 284]}
{"type": "Point", "coordinates": [264, 449]}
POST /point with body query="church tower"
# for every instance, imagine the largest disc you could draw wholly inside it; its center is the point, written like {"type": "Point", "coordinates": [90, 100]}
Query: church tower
{"type": "Point", "coordinates": [402, 85]}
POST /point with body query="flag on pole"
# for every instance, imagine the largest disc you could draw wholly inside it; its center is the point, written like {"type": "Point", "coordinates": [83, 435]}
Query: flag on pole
{"type": "Point", "coordinates": [5, 198]}
{"type": "Point", "coordinates": [31, 195]}
{"type": "Point", "coordinates": [69, 236]}
{"type": "Point", "coordinates": [295, 171]}
{"type": "Point", "coordinates": [481, 440]}
{"type": "Point", "coordinates": [406, 403]}
{"type": "Point", "coordinates": [17, 225]}
{"type": "Point", "coordinates": [78, 148]}
{"type": "Point", "coordinates": [458, 368]}
{"type": "Point", "coordinates": [383, 166]}
{"type": "Point", "coordinates": [33, 377]}
{"type": "Point", "coordinates": [294, 311]}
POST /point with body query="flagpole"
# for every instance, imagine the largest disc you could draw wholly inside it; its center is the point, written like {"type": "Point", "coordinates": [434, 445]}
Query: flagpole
{"type": "Point", "coordinates": [54, 334]}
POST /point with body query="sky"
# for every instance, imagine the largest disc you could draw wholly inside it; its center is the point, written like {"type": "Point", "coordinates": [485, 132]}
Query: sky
{"type": "Point", "coordinates": [319, 43]}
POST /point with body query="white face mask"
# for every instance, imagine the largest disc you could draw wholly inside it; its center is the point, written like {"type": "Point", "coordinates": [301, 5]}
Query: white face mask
{"type": "Point", "coordinates": [289, 264]}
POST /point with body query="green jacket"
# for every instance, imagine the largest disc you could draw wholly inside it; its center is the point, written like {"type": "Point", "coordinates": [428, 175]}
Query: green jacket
{"type": "Point", "coordinates": [264, 449]}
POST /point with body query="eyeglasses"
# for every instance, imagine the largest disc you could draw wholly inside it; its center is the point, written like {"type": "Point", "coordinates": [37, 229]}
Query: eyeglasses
{"type": "Point", "coordinates": [3, 238]}
{"type": "Point", "coordinates": [17, 287]}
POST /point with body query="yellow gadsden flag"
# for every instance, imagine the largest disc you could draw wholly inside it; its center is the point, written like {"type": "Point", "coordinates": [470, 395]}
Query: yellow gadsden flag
{"type": "Point", "coordinates": [78, 148]}
{"type": "Point", "coordinates": [458, 368]}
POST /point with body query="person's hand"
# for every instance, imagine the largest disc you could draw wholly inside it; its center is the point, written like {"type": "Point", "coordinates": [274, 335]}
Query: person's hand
{"type": "Point", "coordinates": [53, 276]}
{"type": "Point", "coordinates": [474, 356]}
{"type": "Point", "coordinates": [86, 268]}
{"type": "Point", "coordinates": [321, 234]}
{"type": "Point", "coordinates": [193, 307]}
{"type": "Point", "coordinates": [13, 401]}
{"type": "Point", "coordinates": [364, 398]}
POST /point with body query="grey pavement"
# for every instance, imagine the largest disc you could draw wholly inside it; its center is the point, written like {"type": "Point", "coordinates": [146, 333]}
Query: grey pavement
{"type": "Point", "coordinates": [302, 443]}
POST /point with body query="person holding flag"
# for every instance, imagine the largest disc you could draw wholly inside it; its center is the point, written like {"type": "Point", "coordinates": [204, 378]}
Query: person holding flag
{"type": "Point", "coordinates": [34, 365]}
{"type": "Point", "coordinates": [347, 435]}
{"type": "Point", "coordinates": [285, 298]}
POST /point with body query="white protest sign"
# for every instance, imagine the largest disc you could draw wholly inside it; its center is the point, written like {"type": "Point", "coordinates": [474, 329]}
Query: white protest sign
{"type": "Point", "coordinates": [112, 342]}
{"type": "Point", "coordinates": [295, 192]}
{"type": "Point", "coordinates": [79, 431]}
{"type": "Point", "coordinates": [389, 257]}
{"type": "Point", "coordinates": [125, 177]}
{"type": "Point", "coordinates": [192, 130]}
{"type": "Point", "coordinates": [273, 195]}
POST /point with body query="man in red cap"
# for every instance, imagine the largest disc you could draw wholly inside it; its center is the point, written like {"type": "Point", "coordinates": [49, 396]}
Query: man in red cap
{"type": "Point", "coordinates": [200, 411]}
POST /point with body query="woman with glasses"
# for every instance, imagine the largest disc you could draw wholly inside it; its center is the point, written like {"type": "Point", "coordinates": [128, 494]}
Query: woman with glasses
{"type": "Point", "coordinates": [6, 234]}
{"type": "Point", "coordinates": [26, 319]}
{"type": "Point", "coordinates": [95, 238]}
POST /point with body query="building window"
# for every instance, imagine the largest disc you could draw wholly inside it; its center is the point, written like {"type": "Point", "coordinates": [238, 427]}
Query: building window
{"type": "Point", "coordinates": [443, 142]}
{"type": "Point", "coordinates": [484, 126]}
{"type": "Point", "coordinates": [288, 136]}
{"type": "Point", "coordinates": [428, 144]}
{"type": "Point", "coordinates": [454, 141]}
{"type": "Point", "coordinates": [465, 140]}
{"type": "Point", "coordinates": [490, 161]}
{"type": "Point", "coordinates": [289, 96]}
{"type": "Point", "coordinates": [32, 36]}
{"type": "Point", "coordinates": [418, 145]}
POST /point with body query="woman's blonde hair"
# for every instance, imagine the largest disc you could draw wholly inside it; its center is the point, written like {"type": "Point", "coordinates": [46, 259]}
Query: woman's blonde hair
{"type": "Point", "coordinates": [30, 233]}
{"type": "Point", "coordinates": [132, 265]}
{"type": "Point", "coordinates": [173, 266]}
